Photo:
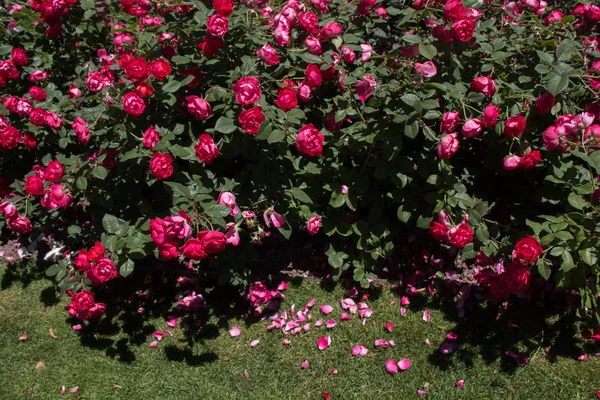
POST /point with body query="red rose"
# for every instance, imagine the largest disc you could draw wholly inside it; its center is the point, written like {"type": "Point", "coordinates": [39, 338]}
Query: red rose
{"type": "Point", "coordinates": [82, 301]}
{"type": "Point", "coordinates": [81, 130]}
{"type": "Point", "coordinates": [102, 271]}
{"type": "Point", "coordinates": [331, 29]}
{"type": "Point", "coordinates": [485, 85]}
{"type": "Point", "coordinates": [144, 89]}
{"type": "Point", "coordinates": [96, 252]}
{"type": "Point", "coordinates": [313, 76]}
{"type": "Point", "coordinates": [34, 186]}
{"type": "Point", "coordinates": [151, 137]}
{"type": "Point", "coordinates": [37, 93]}
{"type": "Point", "coordinates": [268, 54]}
{"type": "Point", "coordinates": [527, 250]}
{"type": "Point", "coordinates": [544, 104]}
{"type": "Point", "coordinates": [160, 69]}
{"type": "Point", "coordinates": [53, 120]}
{"type": "Point", "coordinates": [515, 279]}
{"type": "Point", "coordinates": [54, 171]}
{"type": "Point", "coordinates": [9, 70]}
{"type": "Point", "coordinates": [20, 225]}
{"type": "Point", "coordinates": [198, 107]}
{"type": "Point", "coordinates": [161, 166]}
{"type": "Point", "coordinates": [448, 146]}
{"type": "Point", "coordinates": [454, 9]}
{"type": "Point", "coordinates": [217, 25]}
{"type": "Point", "coordinates": [462, 236]}
{"type": "Point", "coordinates": [96, 311]}
{"type": "Point", "coordinates": [438, 231]}
{"type": "Point", "coordinates": [133, 104]}
{"type": "Point", "coordinates": [210, 46]}
{"type": "Point", "coordinates": [19, 57]}
{"type": "Point", "coordinates": [308, 22]}
{"type": "Point", "coordinates": [251, 119]}
{"type": "Point", "coordinates": [157, 230]}
{"type": "Point", "coordinates": [9, 137]}
{"type": "Point", "coordinates": [205, 149]}
{"type": "Point", "coordinates": [310, 141]}
{"type": "Point", "coordinates": [247, 90]}
{"type": "Point", "coordinates": [223, 7]}
{"type": "Point", "coordinates": [213, 242]}
{"type": "Point", "coordinates": [530, 160]}
{"type": "Point", "coordinates": [514, 126]}
{"type": "Point", "coordinates": [490, 116]}
{"type": "Point", "coordinates": [462, 30]}
{"type": "Point", "coordinates": [137, 69]}
{"type": "Point", "coordinates": [194, 250]}
{"type": "Point", "coordinates": [286, 99]}
{"type": "Point", "coordinates": [38, 117]}
{"type": "Point", "coordinates": [450, 122]}
{"type": "Point", "coordinates": [168, 249]}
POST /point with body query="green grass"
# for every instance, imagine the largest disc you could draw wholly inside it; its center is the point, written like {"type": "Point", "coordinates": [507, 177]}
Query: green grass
{"type": "Point", "coordinates": [212, 365]}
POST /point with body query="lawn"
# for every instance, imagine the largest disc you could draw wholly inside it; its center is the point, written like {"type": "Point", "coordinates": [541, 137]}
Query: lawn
{"type": "Point", "coordinates": [118, 362]}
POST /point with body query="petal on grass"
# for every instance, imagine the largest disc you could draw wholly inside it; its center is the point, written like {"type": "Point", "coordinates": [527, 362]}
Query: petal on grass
{"type": "Point", "coordinates": [154, 343]}
{"type": "Point", "coordinates": [23, 337]}
{"type": "Point", "coordinates": [254, 343]}
{"type": "Point", "coordinates": [345, 317]}
{"type": "Point", "coordinates": [421, 393]}
{"type": "Point", "coordinates": [359, 350]}
{"type": "Point", "coordinates": [389, 326]}
{"type": "Point", "coordinates": [460, 383]}
{"type": "Point", "coordinates": [330, 323]}
{"type": "Point", "coordinates": [234, 331]}
{"type": "Point", "coordinates": [325, 309]}
{"type": "Point", "coordinates": [404, 364]}
{"type": "Point", "coordinates": [172, 321]}
{"type": "Point", "coordinates": [158, 335]}
{"type": "Point", "coordinates": [323, 342]}
{"type": "Point", "coordinates": [304, 364]}
{"type": "Point", "coordinates": [427, 316]}
{"type": "Point", "coordinates": [391, 367]}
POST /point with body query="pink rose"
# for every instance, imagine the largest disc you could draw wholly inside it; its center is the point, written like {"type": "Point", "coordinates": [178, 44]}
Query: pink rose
{"type": "Point", "coordinates": [310, 141]}
{"type": "Point", "coordinates": [247, 91]}
{"type": "Point", "coordinates": [330, 29]}
{"type": "Point", "coordinates": [514, 126]}
{"type": "Point", "coordinates": [20, 225]}
{"type": "Point", "coordinates": [151, 137]}
{"type": "Point", "coordinates": [471, 128]}
{"type": "Point", "coordinates": [81, 130]}
{"type": "Point", "coordinates": [217, 25]}
{"type": "Point", "coordinates": [133, 104]}
{"type": "Point", "coordinates": [426, 70]}
{"type": "Point", "coordinates": [304, 91]}
{"type": "Point", "coordinates": [314, 224]}
{"type": "Point", "coordinates": [511, 163]}
{"type": "Point", "coordinates": [448, 146]}
{"type": "Point", "coordinates": [450, 122]}
{"type": "Point", "coordinates": [364, 88]}
{"type": "Point", "coordinates": [485, 85]}
{"type": "Point", "coordinates": [268, 54]}
{"type": "Point", "coordinates": [198, 107]}
{"type": "Point", "coordinates": [490, 116]}
{"type": "Point", "coordinates": [228, 199]}
{"type": "Point", "coordinates": [314, 45]}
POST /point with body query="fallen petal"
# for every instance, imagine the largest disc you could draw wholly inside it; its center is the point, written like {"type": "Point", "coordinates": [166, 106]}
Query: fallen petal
{"type": "Point", "coordinates": [404, 364]}
{"type": "Point", "coordinates": [172, 321]}
{"type": "Point", "coordinates": [311, 303]}
{"type": "Point", "coordinates": [234, 331]}
{"type": "Point", "coordinates": [391, 367]}
{"type": "Point", "coordinates": [452, 336]}
{"type": "Point", "coordinates": [330, 323]}
{"type": "Point", "coordinates": [23, 337]}
{"type": "Point", "coordinates": [427, 342]}
{"type": "Point", "coordinates": [52, 334]}
{"type": "Point", "coordinates": [286, 341]}
{"type": "Point", "coordinates": [583, 357]}
{"type": "Point", "coordinates": [421, 393]}
{"type": "Point", "coordinates": [405, 300]}
{"type": "Point", "coordinates": [254, 343]}
{"type": "Point", "coordinates": [403, 311]}
{"type": "Point", "coordinates": [154, 343]}
{"type": "Point", "coordinates": [381, 343]}
{"type": "Point", "coordinates": [74, 389]}
{"type": "Point", "coordinates": [389, 326]}
{"type": "Point", "coordinates": [344, 317]}
{"type": "Point", "coordinates": [158, 335]}
{"type": "Point", "coordinates": [63, 389]}
{"type": "Point", "coordinates": [392, 343]}
{"type": "Point", "coordinates": [77, 327]}
{"type": "Point", "coordinates": [521, 360]}
{"type": "Point", "coordinates": [333, 372]}
{"type": "Point", "coordinates": [359, 350]}
{"type": "Point", "coordinates": [323, 342]}
{"type": "Point", "coordinates": [325, 395]}
{"type": "Point", "coordinates": [426, 316]}
{"type": "Point", "coordinates": [460, 383]}
{"type": "Point", "coordinates": [306, 327]}
{"type": "Point", "coordinates": [246, 375]}
{"type": "Point", "coordinates": [304, 364]}
{"type": "Point", "coordinates": [319, 322]}
{"type": "Point", "coordinates": [282, 286]}
{"type": "Point", "coordinates": [325, 309]}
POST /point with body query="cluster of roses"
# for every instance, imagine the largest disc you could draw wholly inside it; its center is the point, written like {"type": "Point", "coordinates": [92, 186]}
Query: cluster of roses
{"type": "Point", "coordinates": [168, 232]}
{"type": "Point", "coordinates": [97, 267]}
{"type": "Point", "coordinates": [51, 13]}
{"type": "Point", "coordinates": [503, 281]}
{"type": "Point", "coordinates": [569, 131]}
{"type": "Point", "coordinates": [458, 236]}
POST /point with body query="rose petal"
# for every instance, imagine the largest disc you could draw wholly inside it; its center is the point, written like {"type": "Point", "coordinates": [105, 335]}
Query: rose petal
{"type": "Point", "coordinates": [389, 326]}
{"type": "Point", "coordinates": [460, 383]}
{"type": "Point", "coordinates": [404, 364]}
{"type": "Point", "coordinates": [426, 316]}
{"type": "Point", "coordinates": [234, 331]}
{"type": "Point", "coordinates": [452, 336]}
{"type": "Point", "coordinates": [282, 286]}
{"type": "Point", "coordinates": [405, 300]}
{"type": "Point", "coordinates": [286, 341]}
{"type": "Point", "coordinates": [381, 343]}
{"type": "Point", "coordinates": [74, 389]}
{"type": "Point", "coordinates": [63, 389]}
{"type": "Point", "coordinates": [76, 327]}
{"type": "Point", "coordinates": [330, 323]}
{"type": "Point", "coordinates": [333, 372]}
{"type": "Point", "coordinates": [583, 357]}
{"type": "Point", "coordinates": [254, 343]}
{"type": "Point", "coordinates": [319, 322]}
{"type": "Point", "coordinates": [154, 343]}
{"type": "Point", "coordinates": [304, 364]}
{"type": "Point", "coordinates": [23, 337]}
{"type": "Point", "coordinates": [403, 311]}
{"type": "Point", "coordinates": [158, 335]}
{"type": "Point", "coordinates": [325, 309]}
{"type": "Point", "coordinates": [323, 342]}
{"type": "Point", "coordinates": [359, 350]}
{"type": "Point", "coordinates": [311, 303]}
{"type": "Point", "coordinates": [344, 317]}
{"type": "Point", "coordinates": [172, 321]}
{"type": "Point", "coordinates": [391, 367]}
{"type": "Point", "coordinates": [306, 327]}
{"type": "Point", "coordinates": [246, 375]}
{"type": "Point", "coordinates": [421, 393]}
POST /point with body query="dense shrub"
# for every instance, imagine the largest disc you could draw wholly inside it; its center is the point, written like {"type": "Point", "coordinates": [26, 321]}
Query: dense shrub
{"type": "Point", "coordinates": [188, 132]}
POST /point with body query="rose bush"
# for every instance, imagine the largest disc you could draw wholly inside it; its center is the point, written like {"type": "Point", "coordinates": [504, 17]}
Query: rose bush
{"type": "Point", "coordinates": [188, 132]}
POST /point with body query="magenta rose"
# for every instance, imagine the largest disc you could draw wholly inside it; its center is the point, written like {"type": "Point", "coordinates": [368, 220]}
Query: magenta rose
{"type": "Point", "coordinates": [310, 141]}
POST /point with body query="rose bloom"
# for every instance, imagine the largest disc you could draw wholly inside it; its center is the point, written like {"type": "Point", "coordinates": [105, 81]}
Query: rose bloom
{"type": "Point", "coordinates": [38, 117]}
{"type": "Point", "coordinates": [74, 92]}
{"type": "Point", "coordinates": [511, 163]}
{"type": "Point", "coordinates": [53, 120]}
{"type": "Point", "coordinates": [81, 130]}
{"type": "Point", "coordinates": [426, 70]}
{"type": "Point", "coordinates": [304, 91]}
{"type": "Point", "coordinates": [144, 89]}
{"type": "Point", "coordinates": [313, 75]}
{"type": "Point", "coordinates": [310, 141]}
{"type": "Point", "coordinates": [54, 171]}
{"type": "Point", "coordinates": [527, 250]}
{"type": "Point", "coordinates": [454, 9]}
{"type": "Point", "coordinates": [29, 140]}
{"type": "Point", "coordinates": [19, 57]}
{"type": "Point", "coordinates": [151, 137]}
{"type": "Point", "coordinates": [133, 104]}
{"type": "Point", "coordinates": [544, 104]}
{"type": "Point", "coordinates": [448, 146]}
{"type": "Point", "coordinates": [37, 93]}
{"type": "Point", "coordinates": [462, 236]}
{"type": "Point", "coordinates": [450, 122]}
{"type": "Point", "coordinates": [530, 160]}
{"type": "Point", "coordinates": [485, 85]}
{"type": "Point", "coordinates": [313, 45]}
{"type": "Point", "coordinates": [247, 90]}
{"type": "Point", "coordinates": [160, 69]}
{"type": "Point", "coordinates": [349, 55]}
{"type": "Point", "coordinates": [314, 224]}
{"type": "Point", "coordinates": [102, 271]}
{"type": "Point", "coordinates": [490, 116]}
{"type": "Point", "coordinates": [37, 76]}
{"type": "Point", "coordinates": [213, 242]}
{"type": "Point", "coordinates": [205, 149]}
{"type": "Point", "coordinates": [194, 250]}
{"type": "Point", "coordinates": [9, 137]}
{"type": "Point", "coordinates": [20, 225]}
{"type": "Point", "coordinates": [462, 30]}
{"type": "Point", "coordinates": [34, 186]}
{"type": "Point", "coordinates": [438, 231]}
{"type": "Point", "coordinates": [161, 166]}
{"type": "Point", "coordinates": [251, 119]}
{"type": "Point", "coordinates": [137, 69]}
{"type": "Point", "coordinates": [168, 249]}
{"type": "Point", "coordinates": [57, 197]}
{"type": "Point", "coordinates": [286, 99]}
{"type": "Point", "coordinates": [268, 54]}
{"type": "Point", "coordinates": [471, 128]}
{"type": "Point", "coordinates": [217, 25]}
{"type": "Point", "coordinates": [228, 199]}
{"type": "Point", "coordinates": [515, 279]}
{"type": "Point", "coordinates": [210, 46]}
{"type": "Point", "coordinates": [308, 22]}
{"type": "Point", "coordinates": [364, 87]}
{"type": "Point", "coordinates": [515, 126]}
{"type": "Point", "coordinates": [330, 29]}
{"type": "Point", "coordinates": [82, 301]}
{"type": "Point", "coordinates": [223, 7]}
{"type": "Point", "coordinates": [198, 107]}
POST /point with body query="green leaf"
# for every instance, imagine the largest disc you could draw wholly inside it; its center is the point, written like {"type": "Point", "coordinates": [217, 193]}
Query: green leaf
{"type": "Point", "coordinates": [74, 230]}
{"type": "Point", "coordinates": [588, 256]}
{"type": "Point", "coordinates": [217, 210]}
{"type": "Point", "coordinates": [427, 50]}
{"type": "Point", "coordinates": [112, 224]}
{"type": "Point", "coordinates": [469, 252]}
{"type": "Point", "coordinates": [100, 172]}
{"type": "Point", "coordinates": [181, 60]}
{"type": "Point", "coordinates": [301, 195]}
{"type": "Point", "coordinates": [410, 99]}
{"type": "Point", "coordinates": [335, 261]}
{"type": "Point", "coordinates": [544, 270]}
{"type": "Point", "coordinates": [577, 201]}
{"type": "Point", "coordinates": [557, 83]}
{"type": "Point", "coordinates": [276, 136]}
{"type": "Point", "coordinates": [126, 268]}
{"type": "Point", "coordinates": [53, 270]}
{"type": "Point", "coordinates": [567, 261]}
{"type": "Point", "coordinates": [225, 125]}
{"type": "Point", "coordinates": [337, 199]}
{"type": "Point", "coordinates": [81, 183]}
{"type": "Point", "coordinates": [403, 215]}
{"type": "Point", "coordinates": [171, 87]}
